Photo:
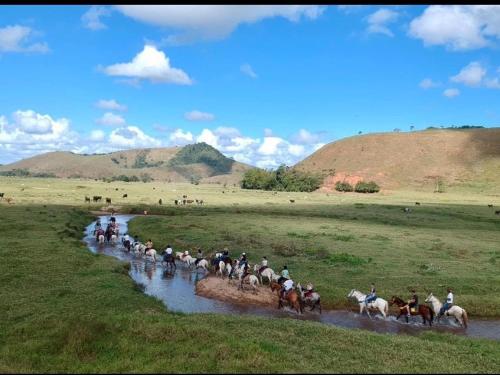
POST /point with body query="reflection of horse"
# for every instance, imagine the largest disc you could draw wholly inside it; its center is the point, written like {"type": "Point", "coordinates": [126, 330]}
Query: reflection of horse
{"type": "Point", "coordinates": [151, 253]}
{"type": "Point", "coordinates": [457, 312]}
{"type": "Point", "coordinates": [379, 304]}
{"type": "Point", "coordinates": [309, 298]}
{"type": "Point", "coordinates": [100, 236]}
{"type": "Point", "coordinates": [423, 310]}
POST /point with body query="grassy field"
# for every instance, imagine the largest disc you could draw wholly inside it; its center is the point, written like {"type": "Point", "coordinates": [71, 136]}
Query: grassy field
{"type": "Point", "coordinates": [66, 309]}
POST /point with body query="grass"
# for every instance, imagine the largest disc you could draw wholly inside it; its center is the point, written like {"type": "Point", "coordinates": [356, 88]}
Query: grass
{"type": "Point", "coordinates": [65, 309]}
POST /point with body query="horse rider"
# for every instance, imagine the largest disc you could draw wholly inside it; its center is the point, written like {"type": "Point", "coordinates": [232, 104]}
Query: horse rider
{"type": "Point", "coordinates": [263, 264]}
{"type": "Point", "coordinates": [244, 261]}
{"type": "Point", "coordinates": [167, 253]}
{"type": "Point", "coordinates": [97, 225]}
{"type": "Point", "coordinates": [448, 304]}
{"type": "Point", "coordinates": [136, 240]}
{"type": "Point", "coordinates": [285, 275]}
{"type": "Point", "coordinates": [225, 254]}
{"type": "Point", "coordinates": [199, 256]}
{"type": "Point", "coordinates": [412, 303]}
{"type": "Point", "coordinates": [372, 296]}
{"type": "Point", "coordinates": [149, 245]}
{"type": "Point", "coordinates": [126, 241]}
{"type": "Point", "coordinates": [286, 287]}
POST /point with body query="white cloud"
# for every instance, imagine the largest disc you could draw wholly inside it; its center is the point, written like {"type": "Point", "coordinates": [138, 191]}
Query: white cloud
{"type": "Point", "coordinates": [471, 75]}
{"type": "Point", "coordinates": [247, 70]}
{"type": "Point", "coordinates": [428, 83]}
{"type": "Point", "coordinates": [305, 137]}
{"type": "Point", "coordinates": [212, 22]}
{"type": "Point", "coordinates": [296, 150]}
{"type": "Point", "coordinates": [199, 116]}
{"type": "Point", "coordinates": [132, 137]}
{"type": "Point", "coordinates": [179, 137]}
{"type": "Point", "coordinates": [150, 64]}
{"type": "Point", "coordinates": [111, 119]}
{"type": "Point", "coordinates": [92, 18]}
{"type": "Point", "coordinates": [270, 145]}
{"type": "Point", "coordinates": [15, 39]}
{"type": "Point", "coordinates": [492, 83]}
{"type": "Point", "coordinates": [208, 137]}
{"type": "Point", "coordinates": [347, 9]}
{"type": "Point", "coordinates": [450, 93]}
{"type": "Point", "coordinates": [377, 21]}
{"type": "Point", "coordinates": [97, 135]}
{"type": "Point", "coordinates": [110, 105]}
{"type": "Point", "coordinates": [268, 132]}
{"type": "Point", "coordinates": [458, 27]}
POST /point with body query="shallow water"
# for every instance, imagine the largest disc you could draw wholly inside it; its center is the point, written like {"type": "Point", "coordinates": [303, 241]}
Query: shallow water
{"type": "Point", "coordinates": [177, 291]}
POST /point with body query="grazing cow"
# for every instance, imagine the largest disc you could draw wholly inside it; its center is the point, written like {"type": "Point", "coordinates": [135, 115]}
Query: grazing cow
{"type": "Point", "coordinates": [184, 196]}
{"type": "Point", "coordinates": [189, 201]}
{"type": "Point", "coordinates": [1, 195]}
{"type": "Point", "coordinates": [160, 202]}
{"type": "Point", "coordinates": [223, 191]}
{"type": "Point", "coordinates": [176, 201]}
{"type": "Point", "coordinates": [292, 200]}
{"type": "Point", "coordinates": [199, 201]}
{"type": "Point", "coordinates": [407, 210]}
{"type": "Point", "coordinates": [87, 199]}
{"type": "Point", "coordinates": [97, 198]}
{"type": "Point", "coordinates": [497, 212]}
{"type": "Point", "coordinates": [490, 205]}
{"type": "Point", "coordinates": [116, 189]}
{"type": "Point", "coordinates": [108, 200]}
{"type": "Point", "coordinates": [125, 196]}
{"type": "Point", "coordinates": [417, 203]}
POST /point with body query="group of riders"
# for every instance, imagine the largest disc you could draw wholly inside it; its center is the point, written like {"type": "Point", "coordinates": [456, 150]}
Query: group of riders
{"type": "Point", "coordinates": [284, 280]}
{"type": "Point", "coordinates": [412, 304]}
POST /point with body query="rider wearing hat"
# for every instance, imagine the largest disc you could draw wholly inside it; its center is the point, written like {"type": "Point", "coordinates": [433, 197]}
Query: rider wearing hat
{"type": "Point", "coordinates": [263, 264]}
{"type": "Point", "coordinates": [448, 304]}
{"type": "Point", "coordinates": [199, 256]}
{"type": "Point", "coordinates": [412, 303]}
{"type": "Point", "coordinates": [372, 296]}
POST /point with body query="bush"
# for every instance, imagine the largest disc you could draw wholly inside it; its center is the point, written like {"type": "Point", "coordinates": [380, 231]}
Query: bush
{"type": "Point", "coordinates": [283, 179]}
{"type": "Point", "coordinates": [366, 187]}
{"type": "Point", "coordinates": [343, 186]}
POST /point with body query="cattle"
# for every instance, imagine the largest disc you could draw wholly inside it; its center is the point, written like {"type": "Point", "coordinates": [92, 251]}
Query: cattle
{"type": "Point", "coordinates": [497, 212]}
{"type": "Point", "coordinates": [125, 196]}
{"type": "Point", "coordinates": [292, 200]}
{"type": "Point", "coordinates": [116, 189]}
{"type": "Point", "coordinates": [223, 192]}
{"type": "Point", "coordinates": [87, 199]}
{"type": "Point", "coordinates": [184, 196]}
{"type": "Point", "coordinates": [1, 195]}
{"type": "Point", "coordinates": [176, 201]}
{"type": "Point", "coordinates": [490, 205]}
{"type": "Point", "coordinates": [199, 201]}
{"type": "Point", "coordinates": [108, 200]}
{"type": "Point", "coordinates": [407, 210]}
{"type": "Point", "coordinates": [97, 198]}
{"type": "Point", "coordinates": [160, 202]}
{"type": "Point", "coordinates": [9, 200]}
{"type": "Point", "coordinates": [417, 203]}
{"type": "Point", "coordinates": [189, 201]}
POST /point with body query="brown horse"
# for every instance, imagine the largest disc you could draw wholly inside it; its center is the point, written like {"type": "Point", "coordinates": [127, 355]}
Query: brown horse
{"type": "Point", "coordinates": [423, 310]}
{"type": "Point", "coordinates": [292, 297]}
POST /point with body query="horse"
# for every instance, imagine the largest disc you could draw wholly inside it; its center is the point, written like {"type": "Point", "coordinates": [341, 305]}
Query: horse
{"type": "Point", "coordinates": [139, 249]}
{"type": "Point", "coordinates": [423, 310]}
{"type": "Point", "coordinates": [293, 300]}
{"type": "Point", "coordinates": [151, 253]}
{"type": "Point", "coordinates": [248, 279]}
{"type": "Point", "coordinates": [267, 273]}
{"type": "Point", "coordinates": [179, 255]}
{"type": "Point", "coordinates": [379, 304]}
{"type": "Point", "coordinates": [169, 261]}
{"type": "Point", "coordinates": [455, 311]}
{"type": "Point", "coordinates": [203, 263]}
{"type": "Point", "coordinates": [312, 299]}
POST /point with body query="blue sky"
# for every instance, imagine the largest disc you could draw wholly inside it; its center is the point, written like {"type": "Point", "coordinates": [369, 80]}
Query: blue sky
{"type": "Point", "coordinates": [264, 84]}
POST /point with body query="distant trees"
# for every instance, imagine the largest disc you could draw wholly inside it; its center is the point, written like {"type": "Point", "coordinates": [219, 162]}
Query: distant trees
{"type": "Point", "coordinates": [360, 187]}
{"type": "Point", "coordinates": [412, 127]}
{"type": "Point", "coordinates": [282, 179]}
{"type": "Point", "coordinates": [343, 186]}
{"type": "Point", "coordinates": [397, 130]}
{"type": "Point", "coordinates": [26, 173]}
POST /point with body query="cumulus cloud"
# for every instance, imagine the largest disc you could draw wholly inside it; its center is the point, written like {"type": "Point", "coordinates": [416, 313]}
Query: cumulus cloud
{"type": "Point", "coordinates": [110, 105]}
{"type": "Point", "coordinates": [199, 116]}
{"type": "Point", "coordinates": [428, 83]}
{"type": "Point", "coordinates": [248, 70]}
{"type": "Point", "coordinates": [132, 137]}
{"type": "Point", "coordinates": [150, 64]}
{"type": "Point", "coordinates": [451, 93]}
{"type": "Point", "coordinates": [377, 21]}
{"type": "Point", "coordinates": [15, 39]}
{"type": "Point", "coordinates": [179, 137]}
{"type": "Point", "coordinates": [458, 27]}
{"type": "Point", "coordinates": [212, 22]}
{"type": "Point", "coordinates": [97, 135]}
{"type": "Point", "coordinates": [91, 19]}
{"type": "Point", "coordinates": [111, 119]}
{"type": "Point", "coordinates": [471, 75]}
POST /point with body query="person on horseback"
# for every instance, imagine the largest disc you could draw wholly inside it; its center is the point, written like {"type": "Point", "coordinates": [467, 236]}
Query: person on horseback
{"type": "Point", "coordinates": [287, 286]}
{"type": "Point", "coordinates": [285, 275]}
{"type": "Point", "coordinates": [412, 303]}
{"type": "Point", "coordinates": [149, 245]}
{"type": "Point", "coordinates": [263, 264]}
{"type": "Point", "coordinates": [448, 304]}
{"type": "Point", "coordinates": [97, 225]}
{"type": "Point", "coordinates": [126, 242]}
{"type": "Point", "coordinates": [167, 254]}
{"type": "Point", "coordinates": [372, 296]}
{"type": "Point", "coordinates": [136, 240]}
{"type": "Point", "coordinates": [244, 262]}
{"type": "Point", "coordinates": [199, 256]}
{"type": "Point", "coordinates": [225, 254]}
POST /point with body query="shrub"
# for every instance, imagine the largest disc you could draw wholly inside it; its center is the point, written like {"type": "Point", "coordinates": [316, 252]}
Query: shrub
{"type": "Point", "coordinates": [343, 186]}
{"type": "Point", "coordinates": [282, 179]}
{"type": "Point", "coordinates": [366, 187]}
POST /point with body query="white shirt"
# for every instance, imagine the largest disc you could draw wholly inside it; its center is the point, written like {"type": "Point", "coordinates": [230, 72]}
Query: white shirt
{"type": "Point", "coordinates": [169, 250]}
{"type": "Point", "coordinates": [264, 263]}
{"type": "Point", "coordinates": [126, 238]}
{"type": "Point", "coordinates": [288, 284]}
{"type": "Point", "coordinates": [449, 298]}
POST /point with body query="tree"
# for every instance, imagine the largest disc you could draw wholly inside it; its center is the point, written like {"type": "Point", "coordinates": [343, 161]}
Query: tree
{"type": "Point", "coordinates": [412, 127]}
{"type": "Point", "coordinates": [360, 132]}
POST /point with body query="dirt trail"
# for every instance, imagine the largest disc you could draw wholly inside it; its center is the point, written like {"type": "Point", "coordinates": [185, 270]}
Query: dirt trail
{"type": "Point", "coordinates": [215, 287]}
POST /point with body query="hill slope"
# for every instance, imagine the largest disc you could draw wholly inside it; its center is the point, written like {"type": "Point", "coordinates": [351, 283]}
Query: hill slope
{"type": "Point", "coordinates": [413, 160]}
{"type": "Point", "coordinates": [175, 164]}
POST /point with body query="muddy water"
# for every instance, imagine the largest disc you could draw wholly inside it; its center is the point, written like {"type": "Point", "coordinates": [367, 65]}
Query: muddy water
{"type": "Point", "coordinates": [177, 291]}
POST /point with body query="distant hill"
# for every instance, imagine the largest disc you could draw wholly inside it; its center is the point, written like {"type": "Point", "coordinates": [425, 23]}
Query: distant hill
{"type": "Point", "coordinates": [413, 160]}
{"type": "Point", "coordinates": [199, 161]}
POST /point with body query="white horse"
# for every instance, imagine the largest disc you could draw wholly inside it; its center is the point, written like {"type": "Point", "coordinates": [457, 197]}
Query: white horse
{"type": "Point", "coordinates": [457, 312]}
{"type": "Point", "coordinates": [312, 299]}
{"type": "Point", "coordinates": [151, 253]}
{"type": "Point", "coordinates": [252, 280]}
{"type": "Point", "coordinates": [179, 255]}
{"type": "Point", "coordinates": [139, 249]}
{"type": "Point", "coordinates": [222, 268]}
{"type": "Point", "coordinates": [114, 238]}
{"type": "Point", "coordinates": [203, 263]}
{"type": "Point", "coordinates": [101, 238]}
{"type": "Point", "coordinates": [379, 304]}
{"type": "Point", "coordinates": [268, 273]}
